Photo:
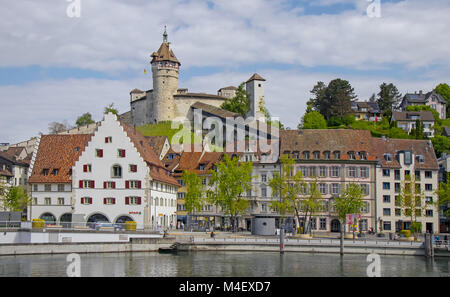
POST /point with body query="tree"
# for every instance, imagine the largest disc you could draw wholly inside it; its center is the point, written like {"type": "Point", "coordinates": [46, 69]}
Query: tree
{"type": "Point", "coordinates": [388, 98]}
{"type": "Point", "coordinates": [84, 120]}
{"type": "Point", "coordinates": [411, 202]}
{"type": "Point", "coordinates": [350, 202]}
{"type": "Point", "coordinates": [57, 127]}
{"type": "Point", "coordinates": [16, 199]}
{"type": "Point", "coordinates": [229, 183]}
{"type": "Point", "coordinates": [110, 108]}
{"type": "Point", "coordinates": [373, 98]}
{"type": "Point", "coordinates": [240, 103]}
{"type": "Point", "coordinates": [441, 144]}
{"type": "Point", "coordinates": [313, 120]}
{"type": "Point", "coordinates": [443, 193]}
{"type": "Point", "coordinates": [444, 90]}
{"type": "Point", "coordinates": [195, 191]}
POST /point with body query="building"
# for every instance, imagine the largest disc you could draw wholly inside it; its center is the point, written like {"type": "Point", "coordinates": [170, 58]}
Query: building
{"type": "Point", "coordinates": [368, 111]}
{"type": "Point", "coordinates": [444, 174]}
{"type": "Point", "coordinates": [407, 121]}
{"type": "Point", "coordinates": [400, 160]}
{"type": "Point", "coordinates": [335, 158]}
{"type": "Point", "coordinates": [167, 102]}
{"type": "Point", "coordinates": [432, 99]}
{"type": "Point", "coordinates": [112, 175]}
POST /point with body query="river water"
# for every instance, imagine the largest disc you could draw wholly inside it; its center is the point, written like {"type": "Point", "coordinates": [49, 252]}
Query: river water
{"type": "Point", "coordinates": [227, 264]}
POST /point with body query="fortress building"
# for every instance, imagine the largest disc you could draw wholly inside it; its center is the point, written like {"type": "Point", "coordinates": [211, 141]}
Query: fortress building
{"type": "Point", "coordinates": [166, 102]}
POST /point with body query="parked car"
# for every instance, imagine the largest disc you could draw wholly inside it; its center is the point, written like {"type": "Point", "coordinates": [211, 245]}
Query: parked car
{"type": "Point", "coordinates": [98, 225]}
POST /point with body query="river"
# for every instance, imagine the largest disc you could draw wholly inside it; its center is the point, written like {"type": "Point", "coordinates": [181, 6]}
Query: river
{"type": "Point", "coordinates": [227, 264]}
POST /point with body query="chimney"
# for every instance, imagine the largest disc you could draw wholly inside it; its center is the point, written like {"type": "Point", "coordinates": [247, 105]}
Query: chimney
{"type": "Point", "coordinates": [420, 92]}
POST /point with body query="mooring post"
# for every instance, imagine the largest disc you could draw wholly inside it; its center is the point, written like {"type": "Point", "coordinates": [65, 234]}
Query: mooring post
{"type": "Point", "coordinates": [428, 245]}
{"type": "Point", "coordinates": [282, 239]}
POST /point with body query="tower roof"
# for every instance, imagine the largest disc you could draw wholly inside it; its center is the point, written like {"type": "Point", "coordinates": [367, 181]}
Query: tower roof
{"type": "Point", "coordinates": [256, 76]}
{"type": "Point", "coordinates": [164, 52]}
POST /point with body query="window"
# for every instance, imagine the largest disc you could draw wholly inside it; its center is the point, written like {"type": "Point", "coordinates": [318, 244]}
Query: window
{"type": "Point", "coordinates": [312, 171]}
{"type": "Point", "coordinates": [316, 155]}
{"type": "Point", "coordinates": [326, 155]}
{"type": "Point", "coordinates": [335, 189]}
{"type": "Point", "coordinates": [366, 207]}
{"type": "Point", "coordinates": [387, 226]}
{"type": "Point", "coordinates": [352, 171]}
{"type": "Point", "coordinates": [45, 172]}
{"type": "Point", "coordinates": [387, 157]}
{"type": "Point", "coordinates": [108, 139]}
{"type": "Point", "coordinates": [408, 158]}
{"type": "Point", "coordinates": [397, 187]}
{"type": "Point", "coordinates": [249, 193]}
{"type": "Point", "coordinates": [386, 198]}
{"type": "Point", "coordinates": [121, 153]}
{"type": "Point", "coordinates": [35, 201]}
{"type": "Point", "coordinates": [263, 192]}
{"type": "Point", "coordinates": [397, 174]}
{"type": "Point", "coordinates": [365, 189]}
{"type": "Point", "coordinates": [429, 213]}
{"type": "Point", "coordinates": [60, 201]}
{"type": "Point", "coordinates": [99, 153]}
{"type": "Point", "coordinates": [204, 181]}
{"type": "Point", "coordinates": [48, 201]}
{"type": "Point", "coordinates": [263, 177]}
{"type": "Point", "coordinates": [335, 171]}
{"type": "Point", "coordinates": [61, 188]}
{"type": "Point", "coordinates": [386, 211]}
{"type": "Point", "coordinates": [133, 168]}
{"type": "Point", "coordinates": [306, 155]}
{"type": "Point", "coordinates": [323, 224]}
{"type": "Point", "coordinates": [109, 201]}
{"type": "Point", "coordinates": [386, 172]}
{"type": "Point", "coordinates": [86, 200]}
{"type": "Point", "coordinates": [351, 155]}
{"type": "Point", "coordinates": [202, 167]}
{"type": "Point", "coordinates": [323, 189]}
{"type": "Point", "coordinates": [304, 171]}
{"type": "Point", "coordinates": [132, 200]}
{"type": "Point", "coordinates": [264, 207]}
{"type": "Point", "coordinates": [171, 156]}
{"type": "Point", "coordinates": [428, 174]}
{"type": "Point", "coordinates": [295, 155]}
{"type": "Point", "coordinates": [87, 168]}
{"type": "Point", "coordinates": [55, 171]}
{"type": "Point", "coordinates": [116, 171]}
{"type": "Point", "coordinates": [428, 187]}
{"type": "Point", "coordinates": [398, 212]}
{"type": "Point", "coordinates": [364, 171]}
{"type": "Point", "coordinates": [386, 186]}
{"type": "Point", "coordinates": [35, 188]}
{"type": "Point", "coordinates": [428, 200]}
{"type": "Point", "coordinates": [420, 158]}
{"type": "Point", "coordinates": [337, 155]}
{"type": "Point", "coordinates": [109, 185]}
{"type": "Point", "coordinates": [87, 184]}
{"type": "Point", "coordinates": [363, 225]}
{"type": "Point", "coordinates": [48, 188]}
{"type": "Point", "coordinates": [363, 155]}
{"type": "Point", "coordinates": [323, 171]}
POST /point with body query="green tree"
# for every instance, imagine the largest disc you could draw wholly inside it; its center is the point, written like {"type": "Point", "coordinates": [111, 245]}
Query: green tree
{"type": "Point", "coordinates": [110, 108]}
{"type": "Point", "coordinates": [84, 120]}
{"type": "Point", "coordinates": [319, 101]}
{"type": "Point", "coordinates": [240, 103]}
{"type": "Point", "coordinates": [16, 199]}
{"type": "Point", "coordinates": [411, 201]}
{"type": "Point", "coordinates": [388, 98]}
{"type": "Point", "coordinates": [444, 90]}
{"type": "Point", "coordinates": [195, 192]}
{"type": "Point", "coordinates": [229, 185]}
{"type": "Point", "coordinates": [313, 120]}
{"type": "Point", "coordinates": [443, 193]}
{"type": "Point", "coordinates": [441, 144]}
{"type": "Point", "coordinates": [350, 202]}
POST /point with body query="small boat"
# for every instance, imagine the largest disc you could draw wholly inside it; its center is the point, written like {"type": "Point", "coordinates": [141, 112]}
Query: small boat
{"type": "Point", "coordinates": [168, 250]}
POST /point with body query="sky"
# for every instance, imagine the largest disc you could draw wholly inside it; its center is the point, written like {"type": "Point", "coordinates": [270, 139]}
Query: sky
{"type": "Point", "coordinates": [56, 65]}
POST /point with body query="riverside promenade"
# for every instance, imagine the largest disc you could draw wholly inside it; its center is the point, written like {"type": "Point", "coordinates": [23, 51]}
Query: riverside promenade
{"type": "Point", "coordinates": [182, 241]}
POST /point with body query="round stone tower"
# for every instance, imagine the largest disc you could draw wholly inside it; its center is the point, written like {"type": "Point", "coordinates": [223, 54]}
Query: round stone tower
{"type": "Point", "coordinates": [165, 68]}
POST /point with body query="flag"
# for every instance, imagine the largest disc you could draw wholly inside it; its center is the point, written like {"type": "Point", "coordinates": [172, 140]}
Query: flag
{"type": "Point", "coordinates": [376, 119]}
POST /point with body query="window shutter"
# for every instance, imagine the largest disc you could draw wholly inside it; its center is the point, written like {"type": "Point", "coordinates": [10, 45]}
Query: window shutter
{"type": "Point", "coordinates": [90, 200]}
{"type": "Point", "coordinates": [127, 200]}
{"type": "Point", "coordinates": [104, 185]}
{"type": "Point", "coordinates": [123, 153]}
{"type": "Point", "coordinates": [82, 200]}
{"type": "Point", "coordinates": [84, 168]}
{"type": "Point", "coordinates": [127, 184]}
{"type": "Point", "coordinates": [139, 200]}
{"type": "Point", "coordinates": [134, 168]}
{"type": "Point", "coordinates": [81, 184]}
{"type": "Point", "coordinates": [106, 139]}
{"type": "Point", "coordinates": [104, 200]}
{"type": "Point", "coordinates": [92, 184]}
{"type": "Point", "coordinates": [139, 184]}
{"type": "Point", "coordinates": [114, 185]}
{"type": "Point", "coordinates": [100, 153]}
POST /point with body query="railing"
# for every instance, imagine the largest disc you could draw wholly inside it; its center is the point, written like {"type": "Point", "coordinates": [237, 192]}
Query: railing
{"type": "Point", "coordinates": [79, 226]}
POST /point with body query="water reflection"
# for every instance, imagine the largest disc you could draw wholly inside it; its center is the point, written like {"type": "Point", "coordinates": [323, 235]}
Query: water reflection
{"type": "Point", "coordinates": [222, 264]}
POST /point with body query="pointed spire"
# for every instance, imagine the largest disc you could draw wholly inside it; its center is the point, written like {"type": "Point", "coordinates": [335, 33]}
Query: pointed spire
{"type": "Point", "coordinates": [165, 34]}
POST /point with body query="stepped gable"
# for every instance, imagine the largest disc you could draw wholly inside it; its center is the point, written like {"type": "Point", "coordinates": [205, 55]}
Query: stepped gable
{"type": "Point", "coordinates": [425, 148]}
{"type": "Point", "coordinates": [157, 169]}
{"type": "Point", "coordinates": [57, 152]}
{"type": "Point", "coordinates": [343, 140]}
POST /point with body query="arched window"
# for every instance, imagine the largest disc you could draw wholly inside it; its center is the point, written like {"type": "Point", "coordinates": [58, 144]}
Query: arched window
{"type": "Point", "coordinates": [116, 171]}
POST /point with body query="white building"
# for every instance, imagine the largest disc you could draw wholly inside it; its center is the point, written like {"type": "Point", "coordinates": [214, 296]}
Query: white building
{"type": "Point", "coordinates": [398, 159]}
{"type": "Point", "coordinates": [115, 177]}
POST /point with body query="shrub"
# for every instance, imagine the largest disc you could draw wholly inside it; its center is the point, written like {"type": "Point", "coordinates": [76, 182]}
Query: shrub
{"type": "Point", "coordinates": [130, 225]}
{"type": "Point", "coordinates": [406, 233]}
{"type": "Point", "coordinates": [38, 223]}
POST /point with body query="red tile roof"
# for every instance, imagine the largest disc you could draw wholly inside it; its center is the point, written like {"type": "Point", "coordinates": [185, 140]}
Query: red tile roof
{"type": "Point", "coordinates": [57, 152]}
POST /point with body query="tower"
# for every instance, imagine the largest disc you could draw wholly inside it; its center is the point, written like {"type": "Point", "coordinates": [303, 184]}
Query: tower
{"type": "Point", "coordinates": [165, 67]}
{"type": "Point", "coordinates": [255, 89]}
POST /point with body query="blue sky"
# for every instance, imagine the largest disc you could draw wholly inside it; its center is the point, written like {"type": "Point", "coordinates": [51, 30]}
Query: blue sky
{"type": "Point", "coordinates": [55, 68]}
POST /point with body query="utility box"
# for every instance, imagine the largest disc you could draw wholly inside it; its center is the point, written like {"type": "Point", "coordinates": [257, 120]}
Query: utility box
{"type": "Point", "coordinates": [263, 225]}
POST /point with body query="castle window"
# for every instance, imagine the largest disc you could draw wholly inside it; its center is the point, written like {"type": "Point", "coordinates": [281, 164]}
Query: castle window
{"type": "Point", "coordinates": [316, 155]}
{"type": "Point", "coordinates": [306, 155]}
{"type": "Point", "coordinates": [116, 171]}
{"type": "Point", "coordinates": [326, 155]}
{"type": "Point", "coordinates": [108, 139]}
{"type": "Point", "coordinates": [121, 153]}
{"type": "Point", "coordinates": [99, 153]}
{"type": "Point", "coordinates": [337, 155]}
